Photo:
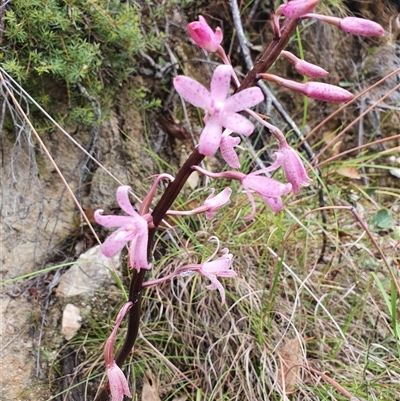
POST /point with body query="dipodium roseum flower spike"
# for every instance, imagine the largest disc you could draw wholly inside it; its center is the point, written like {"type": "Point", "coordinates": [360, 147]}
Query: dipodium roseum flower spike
{"type": "Point", "coordinates": [220, 267]}
{"type": "Point", "coordinates": [117, 380]}
{"type": "Point", "coordinates": [210, 207]}
{"type": "Point", "coordinates": [133, 229]}
{"type": "Point", "coordinates": [313, 90]}
{"type": "Point", "coordinates": [293, 167]}
{"type": "Point", "coordinates": [204, 36]}
{"type": "Point", "coordinates": [221, 111]}
{"type": "Point", "coordinates": [269, 189]}
{"type": "Point", "coordinates": [354, 25]}
{"type": "Point", "coordinates": [304, 67]}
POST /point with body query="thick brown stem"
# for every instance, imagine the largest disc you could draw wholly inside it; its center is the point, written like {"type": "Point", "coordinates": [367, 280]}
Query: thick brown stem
{"type": "Point", "coordinates": [264, 63]}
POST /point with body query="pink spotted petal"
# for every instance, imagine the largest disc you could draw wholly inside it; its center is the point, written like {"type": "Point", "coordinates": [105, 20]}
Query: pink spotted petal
{"type": "Point", "coordinates": [275, 204]}
{"type": "Point", "coordinates": [124, 202]}
{"type": "Point", "coordinates": [243, 100]}
{"type": "Point", "coordinates": [110, 220]}
{"type": "Point", "coordinates": [294, 169]}
{"type": "Point", "coordinates": [216, 202]}
{"type": "Point", "coordinates": [227, 150]}
{"type": "Point", "coordinates": [266, 187]}
{"type": "Point", "coordinates": [221, 82]}
{"type": "Point", "coordinates": [210, 137]}
{"type": "Point", "coordinates": [216, 285]}
{"type": "Point", "coordinates": [138, 248]}
{"type": "Point", "coordinates": [116, 241]}
{"type": "Point", "coordinates": [118, 383]}
{"type": "Point", "coordinates": [236, 123]}
{"type": "Point", "coordinates": [219, 266]}
{"type": "Point", "coordinates": [193, 92]}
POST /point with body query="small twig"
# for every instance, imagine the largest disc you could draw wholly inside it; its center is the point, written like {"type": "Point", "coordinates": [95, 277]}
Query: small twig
{"type": "Point", "coordinates": [360, 141]}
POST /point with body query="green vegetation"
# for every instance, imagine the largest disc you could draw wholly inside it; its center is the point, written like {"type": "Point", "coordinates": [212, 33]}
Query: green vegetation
{"type": "Point", "coordinates": [93, 43]}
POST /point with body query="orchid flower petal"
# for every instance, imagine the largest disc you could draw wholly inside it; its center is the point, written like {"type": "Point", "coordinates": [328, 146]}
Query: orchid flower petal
{"type": "Point", "coordinates": [216, 285]}
{"type": "Point", "coordinates": [266, 186]}
{"type": "Point", "coordinates": [215, 202]}
{"type": "Point", "coordinates": [244, 100]}
{"type": "Point", "coordinates": [236, 123]}
{"type": "Point", "coordinates": [210, 137]}
{"type": "Point", "coordinates": [124, 202]}
{"type": "Point", "coordinates": [275, 204]}
{"type": "Point", "coordinates": [193, 92]}
{"type": "Point", "coordinates": [116, 242]}
{"type": "Point", "coordinates": [118, 383]}
{"type": "Point", "coordinates": [138, 255]}
{"type": "Point", "coordinates": [220, 83]}
{"type": "Point", "coordinates": [227, 150]}
{"type": "Point", "coordinates": [110, 220]}
{"type": "Point", "coordinates": [204, 36]}
{"type": "Point", "coordinates": [293, 167]}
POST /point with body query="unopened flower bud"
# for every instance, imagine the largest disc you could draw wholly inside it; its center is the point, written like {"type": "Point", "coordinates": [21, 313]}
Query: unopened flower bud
{"type": "Point", "coordinates": [314, 90]}
{"type": "Point", "coordinates": [360, 26]}
{"type": "Point", "coordinates": [296, 8]}
{"type": "Point", "coordinates": [204, 36]}
{"type": "Point", "coordinates": [304, 67]}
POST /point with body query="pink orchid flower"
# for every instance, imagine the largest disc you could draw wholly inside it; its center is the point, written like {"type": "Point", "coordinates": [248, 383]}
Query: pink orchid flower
{"type": "Point", "coordinates": [117, 380]}
{"type": "Point", "coordinates": [220, 267]}
{"type": "Point", "coordinates": [204, 36]}
{"type": "Point", "coordinates": [293, 167]}
{"type": "Point", "coordinates": [269, 189]}
{"type": "Point", "coordinates": [132, 229]}
{"type": "Point", "coordinates": [221, 111]}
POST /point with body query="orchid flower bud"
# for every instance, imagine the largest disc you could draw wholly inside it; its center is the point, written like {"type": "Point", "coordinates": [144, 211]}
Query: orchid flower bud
{"type": "Point", "coordinates": [358, 26]}
{"type": "Point", "coordinates": [204, 36]}
{"type": "Point", "coordinates": [296, 8]}
{"type": "Point", "coordinates": [314, 90]}
{"type": "Point", "coordinates": [361, 26]}
{"type": "Point", "coordinates": [304, 67]}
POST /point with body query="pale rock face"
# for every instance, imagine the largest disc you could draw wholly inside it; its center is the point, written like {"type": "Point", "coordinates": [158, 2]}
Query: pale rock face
{"type": "Point", "coordinates": [71, 321]}
{"type": "Point", "coordinates": [88, 274]}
